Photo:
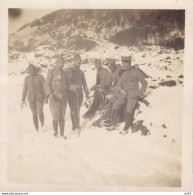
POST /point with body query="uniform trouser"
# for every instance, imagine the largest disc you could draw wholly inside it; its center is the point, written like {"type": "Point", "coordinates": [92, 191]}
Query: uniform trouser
{"type": "Point", "coordinates": [75, 100]}
{"type": "Point", "coordinates": [117, 102]}
{"type": "Point", "coordinates": [97, 101]}
{"type": "Point", "coordinates": [58, 110]}
{"type": "Point", "coordinates": [37, 110]}
{"type": "Point", "coordinates": [130, 109]}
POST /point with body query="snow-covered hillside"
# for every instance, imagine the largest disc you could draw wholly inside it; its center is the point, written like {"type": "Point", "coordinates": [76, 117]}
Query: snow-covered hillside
{"type": "Point", "coordinates": [86, 29]}
{"type": "Point", "coordinates": [100, 157]}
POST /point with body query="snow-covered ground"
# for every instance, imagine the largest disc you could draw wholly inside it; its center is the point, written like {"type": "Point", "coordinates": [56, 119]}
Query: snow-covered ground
{"type": "Point", "coordinates": [100, 157]}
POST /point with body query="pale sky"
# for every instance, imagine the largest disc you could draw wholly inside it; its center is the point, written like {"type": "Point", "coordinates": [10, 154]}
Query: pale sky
{"type": "Point", "coordinates": [27, 16]}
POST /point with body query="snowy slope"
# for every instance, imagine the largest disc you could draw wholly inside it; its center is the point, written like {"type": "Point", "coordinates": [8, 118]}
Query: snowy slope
{"type": "Point", "coordinates": [100, 157]}
{"type": "Point", "coordinates": [86, 29]}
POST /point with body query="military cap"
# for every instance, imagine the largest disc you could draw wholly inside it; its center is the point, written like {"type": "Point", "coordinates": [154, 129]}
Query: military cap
{"type": "Point", "coordinates": [77, 57]}
{"type": "Point", "coordinates": [97, 61]}
{"type": "Point", "coordinates": [110, 60]}
{"type": "Point", "coordinates": [32, 66]}
{"type": "Point", "coordinates": [126, 58]}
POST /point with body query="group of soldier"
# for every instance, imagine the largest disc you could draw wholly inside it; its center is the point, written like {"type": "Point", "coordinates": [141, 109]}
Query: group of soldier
{"type": "Point", "coordinates": [119, 84]}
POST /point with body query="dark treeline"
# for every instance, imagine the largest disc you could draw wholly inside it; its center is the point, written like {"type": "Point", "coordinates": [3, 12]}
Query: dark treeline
{"type": "Point", "coordinates": [157, 27]}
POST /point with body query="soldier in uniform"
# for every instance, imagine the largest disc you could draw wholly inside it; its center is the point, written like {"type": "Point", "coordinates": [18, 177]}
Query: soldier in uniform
{"type": "Point", "coordinates": [76, 83]}
{"type": "Point", "coordinates": [56, 90]}
{"type": "Point", "coordinates": [129, 90]}
{"type": "Point", "coordinates": [112, 83]}
{"type": "Point", "coordinates": [100, 88]}
{"type": "Point", "coordinates": [34, 89]}
{"type": "Point", "coordinates": [115, 72]}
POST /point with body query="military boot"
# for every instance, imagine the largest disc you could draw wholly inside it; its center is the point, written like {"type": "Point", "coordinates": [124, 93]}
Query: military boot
{"type": "Point", "coordinates": [35, 120]}
{"type": "Point", "coordinates": [41, 117]}
{"type": "Point", "coordinates": [61, 123]}
{"type": "Point", "coordinates": [55, 126]}
{"type": "Point", "coordinates": [128, 124]}
{"type": "Point", "coordinates": [113, 125]}
{"type": "Point", "coordinates": [128, 121]}
{"type": "Point", "coordinates": [74, 120]}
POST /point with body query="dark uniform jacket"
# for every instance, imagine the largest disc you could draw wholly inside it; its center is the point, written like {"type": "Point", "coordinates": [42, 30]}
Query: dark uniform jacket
{"type": "Point", "coordinates": [129, 82]}
{"type": "Point", "coordinates": [56, 82]}
{"type": "Point", "coordinates": [34, 88]}
{"type": "Point", "coordinates": [114, 78]}
{"type": "Point", "coordinates": [76, 77]}
{"type": "Point", "coordinates": [102, 78]}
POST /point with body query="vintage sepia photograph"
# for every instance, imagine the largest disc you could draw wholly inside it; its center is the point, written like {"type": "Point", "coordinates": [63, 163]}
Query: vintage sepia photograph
{"type": "Point", "coordinates": [95, 97]}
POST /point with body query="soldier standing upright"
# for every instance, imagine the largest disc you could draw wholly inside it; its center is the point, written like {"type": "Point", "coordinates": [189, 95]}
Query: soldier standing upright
{"type": "Point", "coordinates": [129, 90]}
{"type": "Point", "coordinates": [56, 90]}
{"type": "Point", "coordinates": [76, 83]}
{"type": "Point", "coordinates": [100, 88]}
{"type": "Point", "coordinates": [34, 90]}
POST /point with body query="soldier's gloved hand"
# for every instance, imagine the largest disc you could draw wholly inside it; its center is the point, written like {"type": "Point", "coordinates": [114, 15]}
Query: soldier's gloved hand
{"type": "Point", "coordinates": [45, 100]}
{"type": "Point", "coordinates": [141, 94]}
{"type": "Point", "coordinates": [51, 96]}
{"type": "Point", "coordinates": [109, 96]}
{"type": "Point", "coordinates": [23, 104]}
